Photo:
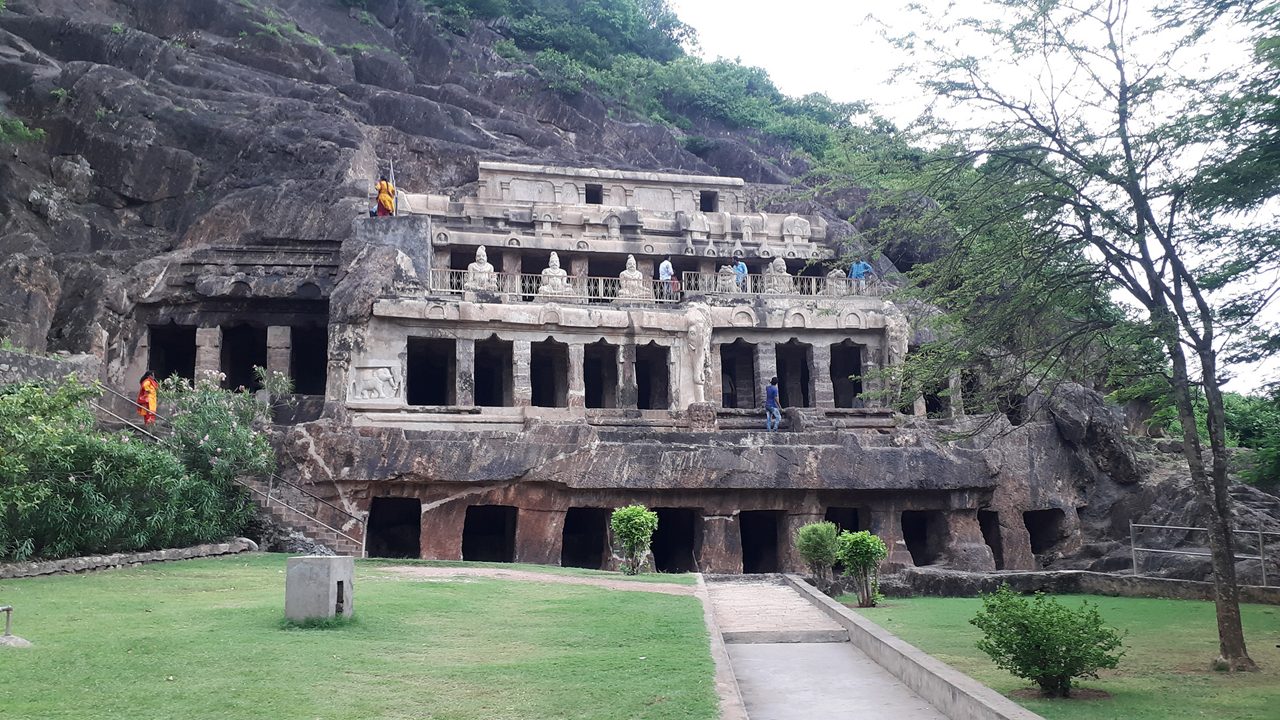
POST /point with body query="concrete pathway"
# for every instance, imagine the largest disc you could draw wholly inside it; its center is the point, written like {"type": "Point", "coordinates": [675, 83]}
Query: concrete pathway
{"type": "Point", "coordinates": [792, 662]}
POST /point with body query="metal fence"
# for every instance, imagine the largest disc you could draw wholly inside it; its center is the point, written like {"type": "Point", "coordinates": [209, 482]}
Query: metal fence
{"type": "Point", "coordinates": [1260, 535]}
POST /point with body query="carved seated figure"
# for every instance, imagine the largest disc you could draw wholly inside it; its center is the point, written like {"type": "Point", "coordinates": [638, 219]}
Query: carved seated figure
{"type": "Point", "coordinates": [726, 280]}
{"type": "Point", "coordinates": [481, 276]}
{"type": "Point", "coordinates": [555, 281]}
{"type": "Point", "coordinates": [837, 283]}
{"type": "Point", "coordinates": [632, 284]}
{"type": "Point", "coordinates": [776, 279]}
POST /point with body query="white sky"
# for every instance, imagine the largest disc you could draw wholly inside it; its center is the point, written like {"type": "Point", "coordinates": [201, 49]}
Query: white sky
{"type": "Point", "coordinates": [834, 47]}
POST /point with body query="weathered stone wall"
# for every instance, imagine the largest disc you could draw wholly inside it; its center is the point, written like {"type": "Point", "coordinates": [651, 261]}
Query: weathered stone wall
{"type": "Point", "coordinates": [88, 563]}
{"type": "Point", "coordinates": [18, 367]}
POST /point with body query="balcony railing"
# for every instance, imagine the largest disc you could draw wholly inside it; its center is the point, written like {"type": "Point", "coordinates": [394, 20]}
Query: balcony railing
{"type": "Point", "coordinates": [779, 285]}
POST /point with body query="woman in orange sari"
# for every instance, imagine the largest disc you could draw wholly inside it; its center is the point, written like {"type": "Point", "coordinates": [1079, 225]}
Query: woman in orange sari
{"type": "Point", "coordinates": [148, 395]}
{"type": "Point", "coordinates": [386, 197]}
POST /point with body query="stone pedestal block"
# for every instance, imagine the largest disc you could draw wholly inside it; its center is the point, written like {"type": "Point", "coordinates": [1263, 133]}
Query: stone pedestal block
{"type": "Point", "coordinates": [318, 587]}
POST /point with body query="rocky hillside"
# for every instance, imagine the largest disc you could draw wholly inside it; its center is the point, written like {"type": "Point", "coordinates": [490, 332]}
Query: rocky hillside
{"type": "Point", "coordinates": [175, 124]}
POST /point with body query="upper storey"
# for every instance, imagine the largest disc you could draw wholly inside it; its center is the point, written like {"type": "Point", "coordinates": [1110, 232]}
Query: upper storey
{"type": "Point", "coordinates": [646, 191]}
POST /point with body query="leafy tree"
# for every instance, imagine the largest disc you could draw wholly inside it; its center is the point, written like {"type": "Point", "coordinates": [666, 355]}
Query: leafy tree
{"type": "Point", "coordinates": [861, 554]}
{"type": "Point", "coordinates": [817, 543]}
{"type": "Point", "coordinates": [633, 526]}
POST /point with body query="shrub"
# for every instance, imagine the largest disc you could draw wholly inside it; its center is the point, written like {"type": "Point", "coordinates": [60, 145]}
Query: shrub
{"type": "Point", "coordinates": [861, 553]}
{"type": "Point", "coordinates": [13, 130]}
{"type": "Point", "coordinates": [818, 544]}
{"type": "Point", "coordinates": [633, 526]}
{"type": "Point", "coordinates": [1041, 640]}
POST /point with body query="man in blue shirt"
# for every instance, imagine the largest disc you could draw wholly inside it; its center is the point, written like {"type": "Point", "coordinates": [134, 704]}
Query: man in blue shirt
{"type": "Point", "coordinates": [859, 272]}
{"type": "Point", "coordinates": [740, 269]}
{"type": "Point", "coordinates": [667, 273]}
{"type": "Point", "coordinates": [772, 413]}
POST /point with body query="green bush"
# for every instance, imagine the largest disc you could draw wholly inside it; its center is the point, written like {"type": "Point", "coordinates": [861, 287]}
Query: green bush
{"type": "Point", "coordinates": [633, 526]}
{"type": "Point", "coordinates": [13, 130]}
{"type": "Point", "coordinates": [818, 544]}
{"type": "Point", "coordinates": [1039, 639]}
{"type": "Point", "coordinates": [861, 553]}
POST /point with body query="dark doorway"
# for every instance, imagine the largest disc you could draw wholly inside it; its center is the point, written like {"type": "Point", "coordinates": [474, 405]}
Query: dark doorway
{"type": "Point", "coordinates": [935, 405]}
{"type": "Point", "coordinates": [431, 371]}
{"type": "Point", "coordinates": [395, 528]}
{"type": "Point", "coordinates": [738, 374]}
{"type": "Point", "coordinates": [172, 351]}
{"type": "Point", "coordinates": [493, 373]}
{"type": "Point", "coordinates": [595, 194]}
{"type": "Point", "coordinates": [652, 377]}
{"type": "Point", "coordinates": [675, 543]}
{"type": "Point", "coordinates": [489, 533]}
{"type": "Point", "coordinates": [1045, 528]}
{"type": "Point", "coordinates": [845, 518]}
{"type": "Point", "coordinates": [759, 540]}
{"type": "Point", "coordinates": [243, 349]}
{"type": "Point", "coordinates": [989, 521]}
{"type": "Point", "coordinates": [794, 361]}
{"type": "Point", "coordinates": [923, 533]}
{"type": "Point", "coordinates": [309, 359]}
{"type": "Point", "coordinates": [549, 374]}
{"type": "Point", "coordinates": [585, 541]}
{"type": "Point", "coordinates": [600, 374]}
{"type": "Point", "coordinates": [709, 201]}
{"type": "Point", "coordinates": [846, 372]}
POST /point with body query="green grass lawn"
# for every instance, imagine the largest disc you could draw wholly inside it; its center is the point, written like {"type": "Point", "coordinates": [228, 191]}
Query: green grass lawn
{"type": "Point", "coordinates": [205, 639]}
{"type": "Point", "coordinates": [1164, 674]}
{"type": "Point", "coordinates": [673, 578]}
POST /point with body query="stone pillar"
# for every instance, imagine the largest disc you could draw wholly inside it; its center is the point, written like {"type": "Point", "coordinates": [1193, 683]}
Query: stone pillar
{"type": "Point", "coordinates": [721, 550]}
{"type": "Point", "coordinates": [208, 350]}
{"type": "Point", "coordinates": [578, 265]}
{"type": "Point", "coordinates": [511, 262]}
{"type": "Point", "coordinates": [872, 386]}
{"type": "Point", "coordinates": [766, 367]}
{"type": "Point", "coordinates": [628, 392]}
{"type": "Point", "coordinates": [957, 395]}
{"type": "Point", "coordinates": [675, 377]}
{"type": "Point", "coordinates": [706, 266]}
{"type": "Point", "coordinates": [919, 408]}
{"type": "Point", "coordinates": [577, 382]}
{"type": "Point", "coordinates": [465, 372]}
{"type": "Point", "coordinates": [440, 261]}
{"type": "Point", "coordinates": [824, 393]}
{"type": "Point", "coordinates": [646, 266]}
{"type": "Point", "coordinates": [886, 522]}
{"type": "Point", "coordinates": [964, 548]}
{"type": "Point", "coordinates": [441, 537]}
{"type": "Point", "coordinates": [279, 348]}
{"type": "Point", "coordinates": [715, 383]}
{"type": "Point", "coordinates": [522, 384]}
{"type": "Point", "coordinates": [539, 536]}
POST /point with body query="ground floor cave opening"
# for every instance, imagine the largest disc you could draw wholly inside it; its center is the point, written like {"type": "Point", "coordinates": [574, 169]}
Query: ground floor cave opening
{"type": "Point", "coordinates": [794, 378]}
{"type": "Point", "coordinates": [489, 534]}
{"type": "Point", "coordinates": [394, 529]}
{"type": "Point", "coordinates": [989, 522]}
{"type": "Point", "coordinates": [549, 374]}
{"type": "Point", "coordinates": [653, 377]}
{"type": "Point", "coordinates": [585, 539]}
{"type": "Point", "coordinates": [675, 542]}
{"type": "Point", "coordinates": [309, 358]}
{"type": "Point", "coordinates": [172, 351]}
{"type": "Point", "coordinates": [759, 529]}
{"type": "Point", "coordinates": [846, 374]}
{"type": "Point", "coordinates": [600, 374]}
{"type": "Point", "coordinates": [494, 379]}
{"type": "Point", "coordinates": [244, 347]}
{"type": "Point", "coordinates": [1045, 529]}
{"type": "Point", "coordinates": [925, 535]}
{"type": "Point", "coordinates": [431, 371]}
{"type": "Point", "coordinates": [738, 374]}
{"type": "Point", "coordinates": [845, 518]}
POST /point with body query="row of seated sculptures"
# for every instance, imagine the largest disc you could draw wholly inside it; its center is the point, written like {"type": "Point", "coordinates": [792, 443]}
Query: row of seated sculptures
{"type": "Point", "coordinates": [482, 277]}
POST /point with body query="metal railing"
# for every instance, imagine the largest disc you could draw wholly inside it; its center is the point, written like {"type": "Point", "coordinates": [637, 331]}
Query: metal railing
{"type": "Point", "coordinates": [272, 479]}
{"type": "Point", "coordinates": [1261, 535]}
{"type": "Point", "coordinates": [780, 285]}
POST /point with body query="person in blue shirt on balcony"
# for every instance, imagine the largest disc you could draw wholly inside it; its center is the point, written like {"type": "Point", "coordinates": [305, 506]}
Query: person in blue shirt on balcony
{"type": "Point", "coordinates": [667, 273]}
{"type": "Point", "coordinates": [740, 269]}
{"type": "Point", "coordinates": [859, 272]}
{"type": "Point", "coordinates": [772, 413]}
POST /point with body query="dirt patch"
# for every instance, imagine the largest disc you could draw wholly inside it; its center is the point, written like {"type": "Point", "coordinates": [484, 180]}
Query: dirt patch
{"type": "Point", "coordinates": [1076, 694]}
{"type": "Point", "coordinates": [434, 573]}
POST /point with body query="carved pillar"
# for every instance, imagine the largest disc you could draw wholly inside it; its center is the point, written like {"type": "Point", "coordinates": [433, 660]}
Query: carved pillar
{"type": "Point", "coordinates": [627, 389]}
{"type": "Point", "coordinates": [577, 383]}
{"type": "Point", "coordinates": [465, 372]}
{"type": "Point", "coordinates": [208, 350]}
{"type": "Point", "coordinates": [964, 548]}
{"type": "Point", "coordinates": [872, 384]}
{"type": "Point", "coordinates": [955, 385]}
{"type": "Point", "coordinates": [522, 385]}
{"type": "Point", "coordinates": [539, 536]}
{"type": "Point", "coordinates": [824, 392]}
{"type": "Point", "coordinates": [511, 269]}
{"type": "Point", "coordinates": [279, 348]}
{"type": "Point", "coordinates": [715, 383]}
{"type": "Point", "coordinates": [675, 379]}
{"type": "Point", "coordinates": [721, 550]}
{"type": "Point", "coordinates": [766, 367]}
{"type": "Point", "coordinates": [886, 522]}
{"type": "Point", "coordinates": [441, 535]}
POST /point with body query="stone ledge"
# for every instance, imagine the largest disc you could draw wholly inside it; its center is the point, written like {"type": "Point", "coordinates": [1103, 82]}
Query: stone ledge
{"type": "Point", "coordinates": [953, 693]}
{"type": "Point", "coordinates": [90, 563]}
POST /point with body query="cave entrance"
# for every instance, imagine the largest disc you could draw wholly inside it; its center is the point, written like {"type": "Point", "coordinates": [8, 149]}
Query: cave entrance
{"type": "Point", "coordinates": [653, 376]}
{"type": "Point", "coordinates": [489, 534]}
{"type": "Point", "coordinates": [493, 373]}
{"type": "Point", "coordinates": [794, 360]}
{"type": "Point", "coordinates": [585, 540]}
{"type": "Point", "coordinates": [309, 359]}
{"type": "Point", "coordinates": [989, 522]}
{"type": "Point", "coordinates": [846, 373]}
{"type": "Point", "coordinates": [600, 374]}
{"type": "Point", "coordinates": [923, 532]}
{"type": "Point", "coordinates": [431, 371]}
{"type": "Point", "coordinates": [1045, 529]}
{"type": "Point", "coordinates": [595, 194]}
{"type": "Point", "coordinates": [549, 374]}
{"type": "Point", "coordinates": [708, 201]}
{"type": "Point", "coordinates": [845, 518]}
{"type": "Point", "coordinates": [243, 348]}
{"type": "Point", "coordinates": [172, 351]}
{"type": "Point", "coordinates": [675, 543]}
{"type": "Point", "coordinates": [394, 528]}
{"type": "Point", "coordinates": [738, 374]}
{"type": "Point", "coordinates": [759, 530]}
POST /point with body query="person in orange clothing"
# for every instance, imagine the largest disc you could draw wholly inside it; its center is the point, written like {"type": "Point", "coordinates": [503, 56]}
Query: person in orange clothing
{"type": "Point", "coordinates": [148, 396]}
{"type": "Point", "coordinates": [386, 197]}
